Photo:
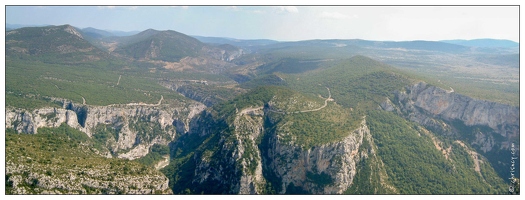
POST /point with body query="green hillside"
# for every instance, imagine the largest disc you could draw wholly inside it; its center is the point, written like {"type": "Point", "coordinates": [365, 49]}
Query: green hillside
{"type": "Point", "coordinates": [97, 84]}
{"type": "Point", "coordinates": [168, 46]}
{"type": "Point", "coordinates": [52, 44]}
{"type": "Point", "coordinates": [358, 82]}
{"type": "Point", "coordinates": [416, 166]}
{"type": "Point", "coordinates": [37, 162]}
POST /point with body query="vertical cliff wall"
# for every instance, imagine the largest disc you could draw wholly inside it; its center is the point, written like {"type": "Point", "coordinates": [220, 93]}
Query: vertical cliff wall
{"type": "Point", "coordinates": [248, 156]}
{"type": "Point", "coordinates": [136, 127]}
{"type": "Point", "coordinates": [491, 128]}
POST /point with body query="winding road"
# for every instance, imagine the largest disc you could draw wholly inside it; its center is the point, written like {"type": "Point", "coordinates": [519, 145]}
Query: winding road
{"type": "Point", "coordinates": [312, 110]}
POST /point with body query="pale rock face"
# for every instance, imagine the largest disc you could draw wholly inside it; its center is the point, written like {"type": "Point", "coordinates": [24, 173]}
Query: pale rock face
{"type": "Point", "coordinates": [224, 55]}
{"type": "Point", "coordinates": [288, 162]}
{"type": "Point", "coordinates": [387, 105]}
{"type": "Point", "coordinates": [438, 104]}
{"type": "Point", "coordinates": [337, 160]}
{"type": "Point", "coordinates": [142, 149]}
{"type": "Point", "coordinates": [454, 106]}
{"type": "Point", "coordinates": [195, 109]}
{"type": "Point", "coordinates": [137, 152]}
{"type": "Point", "coordinates": [73, 31]}
{"type": "Point", "coordinates": [29, 122]}
{"type": "Point", "coordinates": [86, 118]}
{"type": "Point", "coordinates": [248, 126]}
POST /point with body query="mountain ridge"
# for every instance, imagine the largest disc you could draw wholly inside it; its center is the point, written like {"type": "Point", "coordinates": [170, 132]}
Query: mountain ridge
{"type": "Point", "coordinates": [484, 42]}
{"type": "Point", "coordinates": [64, 43]}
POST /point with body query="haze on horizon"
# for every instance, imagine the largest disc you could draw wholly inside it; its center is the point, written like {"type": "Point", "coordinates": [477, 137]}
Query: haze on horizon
{"type": "Point", "coordinates": [288, 23]}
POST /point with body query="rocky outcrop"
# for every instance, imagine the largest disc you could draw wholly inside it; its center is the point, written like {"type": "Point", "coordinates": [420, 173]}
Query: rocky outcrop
{"type": "Point", "coordinates": [223, 52]}
{"type": "Point", "coordinates": [490, 128]}
{"type": "Point", "coordinates": [28, 122]}
{"type": "Point", "coordinates": [128, 122]}
{"type": "Point", "coordinates": [324, 169]}
{"type": "Point", "coordinates": [248, 128]}
{"type": "Point", "coordinates": [236, 165]}
{"type": "Point", "coordinates": [34, 178]}
{"type": "Point", "coordinates": [434, 107]}
{"type": "Point", "coordinates": [249, 150]}
{"type": "Point", "coordinates": [452, 106]}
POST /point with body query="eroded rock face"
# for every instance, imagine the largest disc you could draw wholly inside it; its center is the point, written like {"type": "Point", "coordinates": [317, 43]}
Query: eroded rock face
{"type": "Point", "coordinates": [248, 128]}
{"type": "Point", "coordinates": [490, 128]}
{"type": "Point", "coordinates": [28, 122]}
{"type": "Point", "coordinates": [432, 106]}
{"type": "Point", "coordinates": [223, 52]}
{"type": "Point", "coordinates": [235, 167]}
{"type": "Point", "coordinates": [241, 163]}
{"type": "Point", "coordinates": [449, 105]}
{"type": "Point", "coordinates": [334, 163]}
{"type": "Point", "coordinates": [127, 121]}
{"type": "Point", "coordinates": [133, 126]}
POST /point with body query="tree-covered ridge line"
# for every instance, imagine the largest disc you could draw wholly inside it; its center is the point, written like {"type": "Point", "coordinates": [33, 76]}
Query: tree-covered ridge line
{"type": "Point", "coordinates": [417, 167]}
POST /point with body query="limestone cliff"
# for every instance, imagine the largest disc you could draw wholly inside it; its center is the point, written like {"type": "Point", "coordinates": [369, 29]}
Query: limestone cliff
{"type": "Point", "coordinates": [136, 127]}
{"type": "Point", "coordinates": [324, 169]}
{"type": "Point", "coordinates": [433, 106]}
{"type": "Point", "coordinates": [491, 128]}
{"type": "Point", "coordinates": [28, 122]}
{"type": "Point", "coordinates": [242, 155]}
{"type": "Point", "coordinates": [228, 162]}
{"type": "Point", "coordinates": [248, 128]}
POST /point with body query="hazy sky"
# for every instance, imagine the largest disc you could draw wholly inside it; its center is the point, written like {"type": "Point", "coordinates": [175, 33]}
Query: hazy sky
{"type": "Point", "coordinates": [287, 23]}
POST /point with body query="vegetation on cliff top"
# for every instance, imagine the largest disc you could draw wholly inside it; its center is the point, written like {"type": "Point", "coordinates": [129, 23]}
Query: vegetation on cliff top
{"type": "Point", "coordinates": [62, 153]}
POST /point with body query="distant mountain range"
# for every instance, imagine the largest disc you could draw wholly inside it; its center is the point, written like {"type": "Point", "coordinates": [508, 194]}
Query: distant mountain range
{"type": "Point", "coordinates": [89, 30]}
{"type": "Point", "coordinates": [486, 42]}
{"type": "Point", "coordinates": [235, 42]}
{"type": "Point", "coordinates": [15, 26]}
{"type": "Point", "coordinates": [107, 33]}
{"type": "Point", "coordinates": [67, 41]}
{"type": "Point", "coordinates": [483, 43]}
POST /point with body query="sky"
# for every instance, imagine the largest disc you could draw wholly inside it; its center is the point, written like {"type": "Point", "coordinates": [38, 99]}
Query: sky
{"type": "Point", "coordinates": [288, 23]}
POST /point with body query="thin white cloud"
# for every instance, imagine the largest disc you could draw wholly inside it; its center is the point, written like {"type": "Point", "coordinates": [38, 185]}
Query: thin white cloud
{"type": "Point", "coordinates": [290, 9]}
{"type": "Point", "coordinates": [106, 7]}
{"type": "Point", "coordinates": [234, 8]}
{"type": "Point", "coordinates": [183, 7]}
{"type": "Point", "coordinates": [336, 15]}
{"type": "Point", "coordinates": [118, 7]}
